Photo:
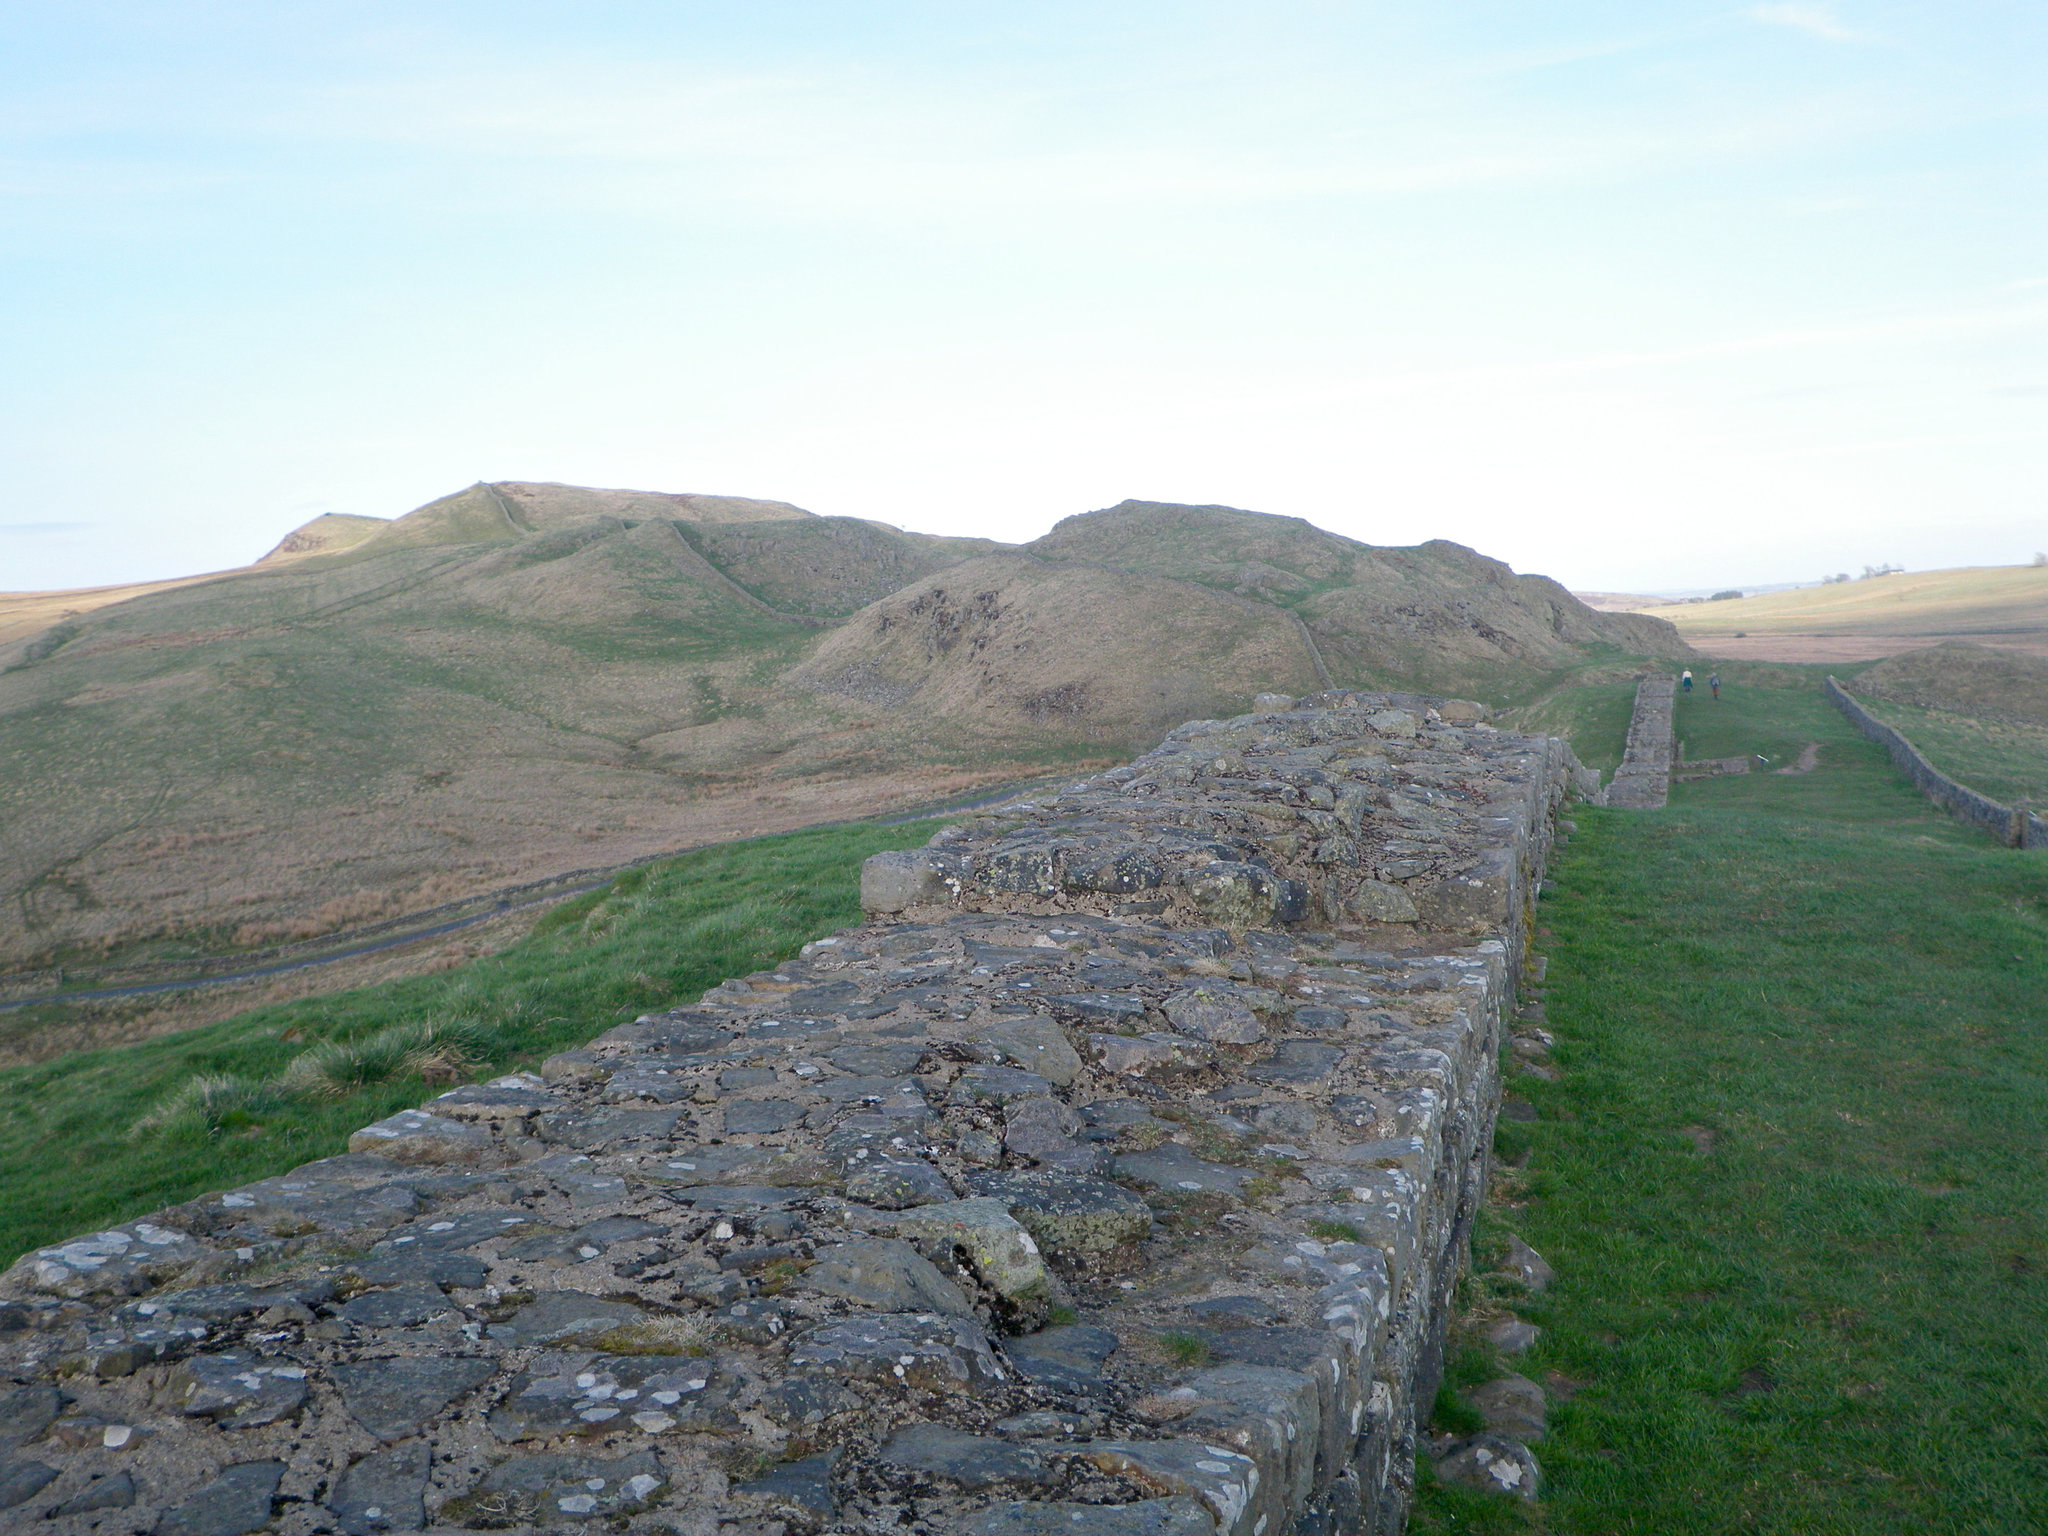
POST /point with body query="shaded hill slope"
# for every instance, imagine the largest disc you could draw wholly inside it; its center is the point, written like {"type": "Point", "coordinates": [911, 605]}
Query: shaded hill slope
{"type": "Point", "coordinates": [1009, 647]}
{"type": "Point", "coordinates": [1963, 679]}
{"type": "Point", "coordinates": [521, 679]}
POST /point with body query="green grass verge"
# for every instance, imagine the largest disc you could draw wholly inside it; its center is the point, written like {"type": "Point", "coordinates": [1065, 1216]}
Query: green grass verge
{"type": "Point", "coordinates": [1791, 1174]}
{"type": "Point", "coordinates": [2006, 760]}
{"type": "Point", "coordinates": [230, 1107]}
{"type": "Point", "coordinates": [1593, 718]}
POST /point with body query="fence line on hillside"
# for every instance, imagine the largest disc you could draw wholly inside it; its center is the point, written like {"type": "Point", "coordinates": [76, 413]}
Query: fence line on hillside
{"type": "Point", "coordinates": [2014, 827]}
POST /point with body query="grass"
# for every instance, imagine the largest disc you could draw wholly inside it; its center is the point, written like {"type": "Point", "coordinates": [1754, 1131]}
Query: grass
{"type": "Point", "coordinates": [102, 1136]}
{"type": "Point", "coordinates": [2006, 760]}
{"type": "Point", "coordinates": [1790, 1174]}
{"type": "Point", "coordinates": [1594, 719]}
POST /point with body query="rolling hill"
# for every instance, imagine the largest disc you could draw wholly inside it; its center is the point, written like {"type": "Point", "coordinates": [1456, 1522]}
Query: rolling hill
{"type": "Point", "coordinates": [522, 679]}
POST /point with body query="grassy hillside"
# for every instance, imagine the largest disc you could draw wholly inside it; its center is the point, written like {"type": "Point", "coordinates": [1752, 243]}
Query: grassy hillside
{"type": "Point", "coordinates": [231, 1105]}
{"type": "Point", "coordinates": [1787, 1173]}
{"type": "Point", "coordinates": [1974, 600]}
{"type": "Point", "coordinates": [522, 679]}
{"type": "Point", "coordinates": [2005, 759]}
{"type": "Point", "coordinates": [1965, 679]}
{"type": "Point", "coordinates": [1593, 717]}
{"type": "Point", "coordinates": [1436, 616]}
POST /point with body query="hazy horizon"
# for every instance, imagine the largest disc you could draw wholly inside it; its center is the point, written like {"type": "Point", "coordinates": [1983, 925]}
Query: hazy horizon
{"type": "Point", "coordinates": [1644, 299]}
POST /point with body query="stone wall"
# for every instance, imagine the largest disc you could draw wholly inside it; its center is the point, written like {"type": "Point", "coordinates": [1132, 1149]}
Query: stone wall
{"type": "Point", "coordinates": [1643, 781]}
{"type": "Point", "coordinates": [2014, 828]}
{"type": "Point", "coordinates": [1113, 1178]}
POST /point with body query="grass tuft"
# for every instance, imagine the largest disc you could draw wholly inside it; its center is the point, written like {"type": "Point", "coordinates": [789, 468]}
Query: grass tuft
{"type": "Point", "coordinates": [211, 1105]}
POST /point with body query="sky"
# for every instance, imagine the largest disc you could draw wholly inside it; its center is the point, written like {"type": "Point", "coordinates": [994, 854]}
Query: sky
{"type": "Point", "coordinates": [1646, 295]}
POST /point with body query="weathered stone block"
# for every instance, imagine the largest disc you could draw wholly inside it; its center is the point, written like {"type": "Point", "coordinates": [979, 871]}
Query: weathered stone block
{"type": "Point", "coordinates": [1494, 1463]}
{"type": "Point", "coordinates": [238, 1391]}
{"type": "Point", "coordinates": [1067, 1360]}
{"type": "Point", "coordinates": [385, 1491]}
{"type": "Point", "coordinates": [1047, 1130]}
{"type": "Point", "coordinates": [1477, 901]}
{"type": "Point", "coordinates": [1000, 1250]}
{"type": "Point", "coordinates": [966, 1461]}
{"type": "Point", "coordinates": [1513, 1406]}
{"type": "Point", "coordinates": [1155, 1055]}
{"type": "Point", "coordinates": [1217, 1013]}
{"type": "Point", "coordinates": [1086, 1224]}
{"type": "Point", "coordinates": [233, 1504]}
{"type": "Point", "coordinates": [917, 877]}
{"type": "Point", "coordinates": [1222, 1479]}
{"type": "Point", "coordinates": [997, 1085]}
{"type": "Point", "coordinates": [548, 1489]}
{"type": "Point", "coordinates": [393, 1398]}
{"type": "Point", "coordinates": [915, 1351]}
{"type": "Point", "coordinates": [121, 1261]}
{"type": "Point", "coordinates": [1375, 901]}
{"type": "Point", "coordinates": [414, 1136]}
{"type": "Point", "coordinates": [1240, 896]}
{"type": "Point", "coordinates": [1037, 1045]}
{"type": "Point", "coordinates": [586, 1394]}
{"type": "Point", "coordinates": [885, 1274]}
{"type": "Point", "coordinates": [895, 1184]}
{"type": "Point", "coordinates": [116, 1491]}
{"type": "Point", "coordinates": [1174, 1169]}
{"type": "Point", "coordinates": [21, 1481]}
{"type": "Point", "coordinates": [1528, 1266]}
{"type": "Point", "coordinates": [556, 1316]}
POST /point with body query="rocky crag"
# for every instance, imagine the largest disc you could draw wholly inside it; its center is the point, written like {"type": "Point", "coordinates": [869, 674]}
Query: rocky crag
{"type": "Point", "coordinates": [1112, 1179]}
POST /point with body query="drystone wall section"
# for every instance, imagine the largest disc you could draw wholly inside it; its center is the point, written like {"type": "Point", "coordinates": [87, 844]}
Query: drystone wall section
{"type": "Point", "coordinates": [2015, 828]}
{"type": "Point", "coordinates": [1643, 781]}
{"type": "Point", "coordinates": [1111, 1180]}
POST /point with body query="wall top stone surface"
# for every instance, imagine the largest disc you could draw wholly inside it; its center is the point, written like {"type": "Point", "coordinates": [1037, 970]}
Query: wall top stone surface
{"type": "Point", "coordinates": [1112, 1178]}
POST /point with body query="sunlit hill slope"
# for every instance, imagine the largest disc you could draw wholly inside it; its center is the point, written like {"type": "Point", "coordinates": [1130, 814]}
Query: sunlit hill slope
{"type": "Point", "coordinates": [522, 679]}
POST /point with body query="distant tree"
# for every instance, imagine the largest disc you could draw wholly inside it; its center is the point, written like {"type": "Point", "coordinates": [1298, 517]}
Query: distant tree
{"type": "Point", "coordinates": [2040, 559]}
{"type": "Point", "coordinates": [1829, 581]}
{"type": "Point", "coordinates": [1881, 570]}
{"type": "Point", "coordinates": [1722, 597]}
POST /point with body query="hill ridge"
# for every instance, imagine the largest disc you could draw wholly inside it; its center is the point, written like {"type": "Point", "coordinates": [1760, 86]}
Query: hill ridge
{"type": "Point", "coordinates": [522, 677]}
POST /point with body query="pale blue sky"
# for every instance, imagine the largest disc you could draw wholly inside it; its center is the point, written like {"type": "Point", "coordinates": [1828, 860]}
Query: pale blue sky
{"type": "Point", "coordinates": [1641, 295]}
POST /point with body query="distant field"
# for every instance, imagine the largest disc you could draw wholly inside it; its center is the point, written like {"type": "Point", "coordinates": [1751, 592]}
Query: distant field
{"type": "Point", "coordinates": [1859, 620]}
{"type": "Point", "coordinates": [25, 613]}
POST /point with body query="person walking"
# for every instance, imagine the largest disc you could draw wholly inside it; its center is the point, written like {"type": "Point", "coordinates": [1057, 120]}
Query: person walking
{"type": "Point", "coordinates": [1714, 682]}
{"type": "Point", "coordinates": [1685, 680]}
